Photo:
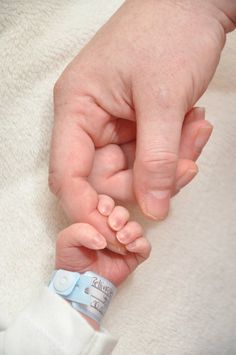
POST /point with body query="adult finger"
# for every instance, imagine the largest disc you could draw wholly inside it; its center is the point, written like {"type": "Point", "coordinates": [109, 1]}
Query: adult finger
{"type": "Point", "coordinates": [195, 134]}
{"type": "Point", "coordinates": [157, 151]}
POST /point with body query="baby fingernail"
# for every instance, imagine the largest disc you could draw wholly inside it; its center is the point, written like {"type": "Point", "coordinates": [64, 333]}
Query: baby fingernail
{"type": "Point", "coordinates": [115, 225]}
{"type": "Point", "coordinates": [202, 137]}
{"type": "Point", "coordinates": [105, 210]}
{"type": "Point", "coordinates": [131, 246]}
{"type": "Point", "coordinates": [122, 237]}
{"type": "Point", "coordinates": [99, 241]}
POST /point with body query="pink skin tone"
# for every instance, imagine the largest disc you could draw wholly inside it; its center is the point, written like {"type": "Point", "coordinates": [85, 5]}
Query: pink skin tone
{"type": "Point", "coordinates": [131, 90]}
{"type": "Point", "coordinates": [125, 126]}
{"type": "Point", "coordinates": [111, 173]}
{"type": "Point", "coordinates": [80, 247]}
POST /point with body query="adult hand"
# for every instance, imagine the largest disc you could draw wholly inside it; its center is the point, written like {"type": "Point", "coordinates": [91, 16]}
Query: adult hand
{"type": "Point", "coordinates": [136, 79]}
{"type": "Point", "coordinates": [112, 171]}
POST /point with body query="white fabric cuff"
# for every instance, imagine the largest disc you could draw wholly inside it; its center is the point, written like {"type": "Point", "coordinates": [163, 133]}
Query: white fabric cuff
{"type": "Point", "coordinates": [49, 325]}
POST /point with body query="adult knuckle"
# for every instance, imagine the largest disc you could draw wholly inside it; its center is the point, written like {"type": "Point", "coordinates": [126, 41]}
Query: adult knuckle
{"type": "Point", "coordinates": [161, 162]}
{"type": "Point", "coordinates": [165, 98]}
{"type": "Point", "coordinates": [172, 104]}
{"type": "Point", "coordinates": [160, 170]}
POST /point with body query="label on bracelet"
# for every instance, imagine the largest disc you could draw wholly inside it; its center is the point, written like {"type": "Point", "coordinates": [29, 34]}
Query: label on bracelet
{"type": "Point", "coordinates": [101, 292]}
{"type": "Point", "coordinates": [89, 293]}
{"type": "Point", "coordinates": [102, 286]}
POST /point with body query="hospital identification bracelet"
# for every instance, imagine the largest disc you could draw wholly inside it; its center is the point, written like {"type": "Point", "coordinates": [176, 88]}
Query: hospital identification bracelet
{"type": "Point", "coordinates": [88, 293]}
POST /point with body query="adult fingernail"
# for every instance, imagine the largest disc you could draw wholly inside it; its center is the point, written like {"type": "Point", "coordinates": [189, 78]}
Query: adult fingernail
{"type": "Point", "coordinates": [199, 112]}
{"type": "Point", "coordinates": [99, 241]}
{"type": "Point", "coordinates": [202, 137]}
{"type": "Point", "coordinates": [186, 178]}
{"type": "Point", "coordinates": [157, 204]}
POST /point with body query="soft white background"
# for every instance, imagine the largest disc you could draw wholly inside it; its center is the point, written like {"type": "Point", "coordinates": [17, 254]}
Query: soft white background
{"type": "Point", "coordinates": [183, 300]}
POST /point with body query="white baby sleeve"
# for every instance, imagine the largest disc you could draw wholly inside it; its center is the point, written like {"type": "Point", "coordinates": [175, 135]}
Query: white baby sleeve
{"type": "Point", "coordinates": [50, 326]}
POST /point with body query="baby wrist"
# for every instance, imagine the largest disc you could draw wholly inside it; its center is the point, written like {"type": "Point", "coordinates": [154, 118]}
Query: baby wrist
{"type": "Point", "coordinates": [88, 293]}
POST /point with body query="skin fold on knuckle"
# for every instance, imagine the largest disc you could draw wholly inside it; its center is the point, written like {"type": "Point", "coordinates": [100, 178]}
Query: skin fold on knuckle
{"type": "Point", "coordinates": [160, 169]}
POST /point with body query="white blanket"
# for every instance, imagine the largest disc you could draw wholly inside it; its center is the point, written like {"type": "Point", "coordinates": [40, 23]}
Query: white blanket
{"type": "Point", "coordinates": [183, 300]}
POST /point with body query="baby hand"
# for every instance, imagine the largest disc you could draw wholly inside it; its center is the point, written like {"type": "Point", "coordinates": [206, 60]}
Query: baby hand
{"type": "Point", "coordinates": [81, 248]}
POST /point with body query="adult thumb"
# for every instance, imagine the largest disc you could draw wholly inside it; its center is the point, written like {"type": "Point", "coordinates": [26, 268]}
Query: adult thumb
{"type": "Point", "coordinates": [157, 153]}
